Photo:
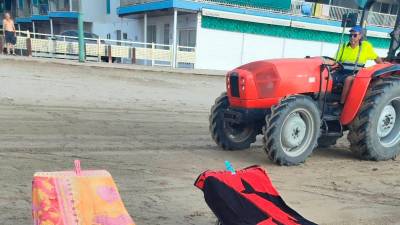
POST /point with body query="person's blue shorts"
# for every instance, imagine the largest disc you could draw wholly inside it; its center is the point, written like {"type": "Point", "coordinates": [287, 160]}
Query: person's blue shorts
{"type": "Point", "coordinates": [10, 38]}
{"type": "Point", "coordinates": [340, 76]}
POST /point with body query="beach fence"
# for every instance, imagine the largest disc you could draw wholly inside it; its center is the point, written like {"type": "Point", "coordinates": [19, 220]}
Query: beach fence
{"type": "Point", "coordinates": [103, 50]}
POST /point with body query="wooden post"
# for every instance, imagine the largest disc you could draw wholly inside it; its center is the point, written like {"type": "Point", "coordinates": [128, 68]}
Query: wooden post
{"type": "Point", "coordinates": [152, 53]}
{"type": "Point", "coordinates": [29, 44]}
{"type": "Point", "coordinates": [133, 55]}
{"type": "Point", "coordinates": [1, 45]}
{"type": "Point", "coordinates": [109, 54]}
{"type": "Point", "coordinates": [98, 50]}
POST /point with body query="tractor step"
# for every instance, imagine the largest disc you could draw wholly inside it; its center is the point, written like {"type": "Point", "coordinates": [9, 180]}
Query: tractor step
{"type": "Point", "coordinates": [331, 118]}
{"type": "Point", "coordinates": [333, 134]}
{"type": "Point", "coordinates": [331, 126]}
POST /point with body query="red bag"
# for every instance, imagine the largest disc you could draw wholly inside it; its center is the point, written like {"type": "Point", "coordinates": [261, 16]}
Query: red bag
{"type": "Point", "coordinates": [246, 198]}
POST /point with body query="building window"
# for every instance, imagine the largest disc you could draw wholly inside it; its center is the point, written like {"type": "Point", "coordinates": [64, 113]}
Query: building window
{"type": "Point", "coordinates": [125, 36]}
{"type": "Point", "coordinates": [385, 8]}
{"type": "Point", "coordinates": [119, 34]}
{"type": "Point", "coordinates": [394, 9]}
{"type": "Point", "coordinates": [151, 34]}
{"type": "Point", "coordinates": [2, 6]}
{"type": "Point", "coordinates": [187, 38]}
{"type": "Point", "coordinates": [166, 34]}
{"type": "Point", "coordinates": [108, 2]}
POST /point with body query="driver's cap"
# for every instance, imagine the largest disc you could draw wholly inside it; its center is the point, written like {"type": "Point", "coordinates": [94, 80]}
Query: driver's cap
{"type": "Point", "coordinates": [357, 29]}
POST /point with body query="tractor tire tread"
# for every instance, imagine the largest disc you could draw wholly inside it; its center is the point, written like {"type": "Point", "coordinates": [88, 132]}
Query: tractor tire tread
{"type": "Point", "coordinates": [270, 140]}
{"type": "Point", "coordinates": [217, 133]}
{"type": "Point", "coordinates": [360, 142]}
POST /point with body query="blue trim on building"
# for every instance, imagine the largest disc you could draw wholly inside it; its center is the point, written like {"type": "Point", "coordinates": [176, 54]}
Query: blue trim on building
{"type": "Point", "coordinates": [40, 17]}
{"type": "Point", "coordinates": [145, 7]}
{"type": "Point", "coordinates": [23, 20]}
{"type": "Point", "coordinates": [190, 5]}
{"type": "Point", "coordinates": [197, 6]}
{"type": "Point", "coordinates": [379, 29]}
{"type": "Point", "coordinates": [62, 14]}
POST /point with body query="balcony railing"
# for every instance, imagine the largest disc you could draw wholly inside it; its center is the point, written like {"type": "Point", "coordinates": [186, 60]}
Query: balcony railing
{"type": "Point", "coordinates": [63, 5]}
{"type": "Point", "coordinates": [40, 9]}
{"type": "Point", "coordinates": [298, 8]}
{"type": "Point", "coordinates": [136, 2]}
{"type": "Point", "coordinates": [24, 12]}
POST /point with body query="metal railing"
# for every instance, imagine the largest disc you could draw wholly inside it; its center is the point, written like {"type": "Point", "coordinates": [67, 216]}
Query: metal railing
{"type": "Point", "coordinates": [297, 8]}
{"type": "Point", "coordinates": [24, 12]}
{"type": "Point", "coordinates": [136, 2]}
{"type": "Point", "coordinates": [63, 5]}
{"type": "Point", "coordinates": [40, 9]}
{"type": "Point", "coordinates": [244, 4]}
{"type": "Point", "coordinates": [104, 50]}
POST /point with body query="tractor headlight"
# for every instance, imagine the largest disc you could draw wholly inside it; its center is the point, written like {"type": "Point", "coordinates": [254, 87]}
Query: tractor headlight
{"type": "Point", "coordinates": [243, 83]}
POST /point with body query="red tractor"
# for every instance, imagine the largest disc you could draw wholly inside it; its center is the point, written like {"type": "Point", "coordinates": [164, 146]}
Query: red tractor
{"type": "Point", "coordinates": [291, 103]}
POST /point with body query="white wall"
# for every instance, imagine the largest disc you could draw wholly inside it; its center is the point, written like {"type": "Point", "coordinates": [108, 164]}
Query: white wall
{"type": "Point", "coordinates": [128, 26]}
{"type": "Point", "coordinates": [95, 11]}
{"type": "Point", "coordinates": [256, 47]}
{"type": "Point", "coordinates": [218, 49]}
{"type": "Point", "coordinates": [301, 49]}
{"type": "Point", "coordinates": [329, 49]}
{"type": "Point", "coordinates": [223, 50]}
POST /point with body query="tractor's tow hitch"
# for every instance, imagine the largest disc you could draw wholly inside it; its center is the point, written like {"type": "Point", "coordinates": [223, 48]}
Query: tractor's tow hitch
{"type": "Point", "coordinates": [239, 116]}
{"type": "Point", "coordinates": [233, 116]}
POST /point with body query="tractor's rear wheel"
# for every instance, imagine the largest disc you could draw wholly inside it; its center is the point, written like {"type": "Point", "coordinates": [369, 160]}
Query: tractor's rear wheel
{"type": "Point", "coordinates": [230, 136]}
{"type": "Point", "coordinates": [292, 130]}
{"type": "Point", "coordinates": [375, 132]}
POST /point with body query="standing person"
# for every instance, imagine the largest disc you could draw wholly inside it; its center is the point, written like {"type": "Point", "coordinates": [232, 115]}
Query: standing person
{"type": "Point", "coordinates": [9, 32]}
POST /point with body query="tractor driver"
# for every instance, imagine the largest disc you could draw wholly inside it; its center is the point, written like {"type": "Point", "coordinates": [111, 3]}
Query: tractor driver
{"type": "Point", "coordinates": [356, 51]}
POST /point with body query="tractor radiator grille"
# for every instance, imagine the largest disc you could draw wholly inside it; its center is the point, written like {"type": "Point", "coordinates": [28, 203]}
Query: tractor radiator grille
{"type": "Point", "coordinates": [234, 81]}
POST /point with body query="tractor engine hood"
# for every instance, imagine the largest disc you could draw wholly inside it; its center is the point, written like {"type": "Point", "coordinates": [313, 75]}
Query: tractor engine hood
{"type": "Point", "coordinates": [275, 78]}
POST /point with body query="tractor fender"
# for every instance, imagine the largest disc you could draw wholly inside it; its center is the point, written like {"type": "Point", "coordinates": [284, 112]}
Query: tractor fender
{"type": "Point", "coordinates": [359, 89]}
{"type": "Point", "coordinates": [386, 70]}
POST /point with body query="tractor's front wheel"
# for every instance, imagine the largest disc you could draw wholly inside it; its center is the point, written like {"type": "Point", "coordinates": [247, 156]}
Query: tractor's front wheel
{"type": "Point", "coordinates": [292, 130]}
{"type": "Point", "coordinates": [375, 132]}
{"type": "Point", "coordinates": [228, 135]}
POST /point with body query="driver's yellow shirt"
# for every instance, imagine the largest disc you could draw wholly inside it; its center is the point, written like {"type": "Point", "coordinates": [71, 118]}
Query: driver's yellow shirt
{"type": "Point", "coordinates": [347, 54]}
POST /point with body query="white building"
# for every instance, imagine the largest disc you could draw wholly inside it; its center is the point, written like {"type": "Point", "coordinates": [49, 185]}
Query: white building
{"type": "Point", "coordinates": [228, 34]}
{"type": "Point", "coordinates": [56, 16]}
{"type": "Point", "coordinates": [219, 34]}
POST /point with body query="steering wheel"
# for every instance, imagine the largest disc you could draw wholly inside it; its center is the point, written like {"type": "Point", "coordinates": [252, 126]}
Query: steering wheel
{"type": "Point", "coordinates": [337, 66]}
